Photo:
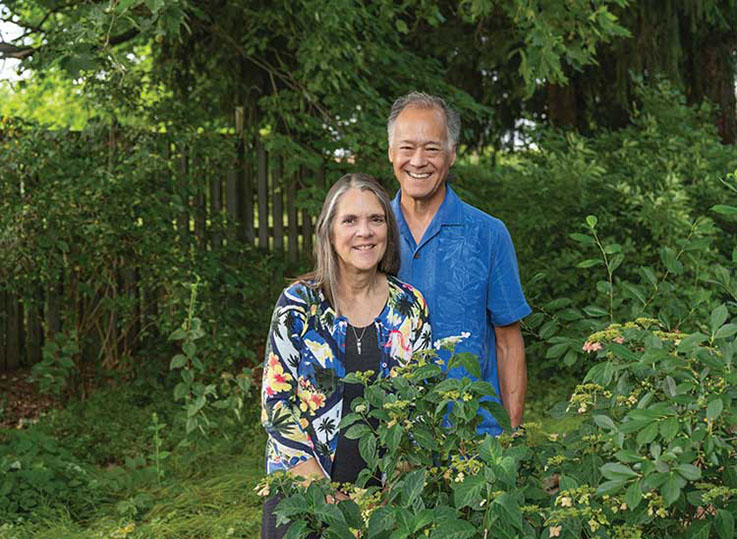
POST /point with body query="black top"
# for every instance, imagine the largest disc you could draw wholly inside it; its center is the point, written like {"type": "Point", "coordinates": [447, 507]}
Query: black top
{"type": "Point", "coordinates": [348, 462]}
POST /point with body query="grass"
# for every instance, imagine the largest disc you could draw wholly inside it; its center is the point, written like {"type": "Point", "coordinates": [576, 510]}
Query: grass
{"type": "Point", "coordinates": [204, 493]}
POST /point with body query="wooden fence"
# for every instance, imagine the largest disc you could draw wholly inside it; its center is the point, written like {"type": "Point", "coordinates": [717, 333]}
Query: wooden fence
{"type": "Point", "coordinates": [259, 200]}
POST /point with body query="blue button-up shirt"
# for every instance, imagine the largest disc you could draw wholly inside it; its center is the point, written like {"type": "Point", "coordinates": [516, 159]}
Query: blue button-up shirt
{"type": "Point", "coordinates": [466, 268]}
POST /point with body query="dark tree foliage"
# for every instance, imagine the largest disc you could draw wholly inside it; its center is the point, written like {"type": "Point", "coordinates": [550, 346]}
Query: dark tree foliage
{"type": "Point", "coordinates": [692, 43]}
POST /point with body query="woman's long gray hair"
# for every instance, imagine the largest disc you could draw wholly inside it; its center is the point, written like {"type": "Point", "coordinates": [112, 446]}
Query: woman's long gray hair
{"type": "Point", "coordinates": [325, 275]}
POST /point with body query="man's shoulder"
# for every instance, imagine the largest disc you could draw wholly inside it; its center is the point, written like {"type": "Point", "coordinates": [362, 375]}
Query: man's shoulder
{"type": "Point", "coordinates": [476, 217]}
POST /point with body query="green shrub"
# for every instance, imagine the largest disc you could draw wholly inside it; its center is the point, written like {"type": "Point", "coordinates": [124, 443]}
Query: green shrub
{"type": "Point", "coordinates": [651, 186]}
{"type": "Point", "coordinates": [37, 472]}
{"type": "Point", "coordinates": [653, 457]}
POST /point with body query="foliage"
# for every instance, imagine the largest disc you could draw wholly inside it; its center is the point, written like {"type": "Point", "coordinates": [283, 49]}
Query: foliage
{"type": "Point", "coordinates": [54, 372]}
{"type": "Point", "coordinates": [307, 69]}
{"type": "Point", "coordinates": [652, 186]}
{"type": "Point", "coordinates": [95, 239]}
{"type": "Point", "coordinates": [654, 455]}
{"type": "Point", "coordinates": [36, 470]}
{"type": "Point", "coordinates": [201, 396]}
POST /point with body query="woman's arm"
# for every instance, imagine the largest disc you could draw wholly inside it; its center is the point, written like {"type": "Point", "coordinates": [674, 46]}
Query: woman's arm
{"type": "Point", "coordinates": [289, 443]}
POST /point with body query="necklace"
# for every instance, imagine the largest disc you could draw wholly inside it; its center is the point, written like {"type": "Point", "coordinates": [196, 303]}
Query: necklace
{"type": "Point", "coordinates": [358, 339]}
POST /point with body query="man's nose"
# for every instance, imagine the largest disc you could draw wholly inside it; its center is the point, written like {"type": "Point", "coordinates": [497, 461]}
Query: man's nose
{"type": "Point", "coordinates": [418, 158]}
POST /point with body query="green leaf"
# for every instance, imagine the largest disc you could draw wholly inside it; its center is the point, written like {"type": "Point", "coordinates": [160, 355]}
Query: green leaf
{"type": "Point", "coordinates": [557, 350]}
{"type": "Point", "coordinates": [454, 529]}
{"type": "Point", "coordinates": [714, 409]}
{"type": "Point", "coordinates": [724, 209]}
{"type": "Point", "coordinates": [358, 430]}
{"type": "Point", "coordinates": [726, 331]}
{"type": "Point", "coordinates": [699, 530]}
{"type": "Point", "coordinates": [670, 490]}
{"type": "Point", "coordinates": [510, 508]}
{"type": "Point", "coordinates": [718, 317]}
{"type": "Point", "coordinates": [177, 362]}
{"type": "Point", "coordinates": [548, 329]}
{"type": "Point", "coordinates": [180, 391]}
{"type": "Point", "coordinates": [616, 471]}
{"type": "Point", "coordinates": [591, 220]}
{"type": "Point", "coordinates": [189, 348]}
{"type": "Point", "coordinates": [589, 263]}
{"type": "Point", "coordinates": [296, 530]}
{"type": "Point", "coordinates": [412, 486]}
{"type": "Point", "coordinates": [635, 291]}
{"type": "Point", "coordinates": [367, 449]}
{"type": "Point", "coordinates": [615, 262]}
{"type": "Point", "coordinates": [610, 487]}
{"type": "Point", "coordinates": [724, 524]}
{"type": "Point", "coordinates": [633, 495]}
{"type": "Point", "coordinates": [382, 519]}
{"type": "Point", "coordinates": [669, 428]}
{"type": "Point", "coordinates": [691, 342]}
{"type": "Point", "coordinates": [468, 361]}
{"type": "Point", "coordinates": [605, 422]}
{"type": "Point", "coordinates": [582, 238]}
{"type": "Point", "coordinates": [688, 472]}
{"type": "Point", "coordinates": [123, 5]}
{"type": "Point", "coordinates": [401, 26]}
{"type": "Point", "coordinates": [648, 434]}
{"type": "Point", "coordinates": [178, 335]}
{"type": "Point", "coordinates": [468, 491]}
{"type": "Point", "coordinates": [594, 311]}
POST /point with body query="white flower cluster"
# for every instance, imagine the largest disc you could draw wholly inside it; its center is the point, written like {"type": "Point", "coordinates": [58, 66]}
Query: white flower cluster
{"type": "Point", "coordinates": [448, 342]}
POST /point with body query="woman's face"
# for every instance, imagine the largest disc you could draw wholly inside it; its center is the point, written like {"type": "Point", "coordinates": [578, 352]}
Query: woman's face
{"type": "Point", "coordinates": [359, 232]}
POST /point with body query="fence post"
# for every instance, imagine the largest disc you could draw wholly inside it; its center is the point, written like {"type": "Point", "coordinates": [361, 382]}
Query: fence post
{"type": "Point", "coordinates": [183, 217]}
{"type": "Point", "coordinates": [200, 209]}
{"type": "Point", "coordinates": [292, 230]}
{"type": "Point", "coordinates": [263, 192]}
{"type": "Point", "coordinates": [278, 206]}
{"type": "Point", "coordinates": [306, 225]}
{"type": "Point", "coordinates": [34, 342]}
{"type": "Point", "coordinates": [216, 205]}
{"type": "Point", "coordinates": [13, 329]}
{"type": "Point", "coordinates": [3, 330]}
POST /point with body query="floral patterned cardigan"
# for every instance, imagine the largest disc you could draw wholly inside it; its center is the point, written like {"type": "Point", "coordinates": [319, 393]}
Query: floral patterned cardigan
{"type": "Point", "coordinates": [302, 391]}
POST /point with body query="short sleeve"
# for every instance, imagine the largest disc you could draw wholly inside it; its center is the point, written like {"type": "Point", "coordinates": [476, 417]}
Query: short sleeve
{"type": "Point", "coordinates": [505, 299]}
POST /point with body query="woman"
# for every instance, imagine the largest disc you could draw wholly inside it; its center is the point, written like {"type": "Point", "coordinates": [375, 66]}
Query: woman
{"type": "Point", "coordinates": [350, 314]}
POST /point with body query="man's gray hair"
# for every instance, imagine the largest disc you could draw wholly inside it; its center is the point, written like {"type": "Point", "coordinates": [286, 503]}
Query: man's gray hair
{"type": "Point", "coordinates": [426, 101]}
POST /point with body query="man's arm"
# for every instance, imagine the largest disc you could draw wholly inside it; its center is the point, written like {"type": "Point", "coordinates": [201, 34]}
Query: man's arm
{"type": "Point", "coordinates": [510, 357]}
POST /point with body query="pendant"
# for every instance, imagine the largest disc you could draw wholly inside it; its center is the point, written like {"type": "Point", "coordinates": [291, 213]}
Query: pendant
{"type": "Point", "coordinates": [358, 345]}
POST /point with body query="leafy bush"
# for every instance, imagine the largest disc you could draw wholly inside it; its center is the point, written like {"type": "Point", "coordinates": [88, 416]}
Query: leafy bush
{"type": "Point", "coordinates": [651, 185]}
{"type": "Point", "coordinates": [36, 472]}
{"type": "Point", "coordinates": [654, 456]}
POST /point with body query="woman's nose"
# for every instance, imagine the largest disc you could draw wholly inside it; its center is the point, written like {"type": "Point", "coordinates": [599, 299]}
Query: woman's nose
{"type": "Point", "coordinates": [364, 228]}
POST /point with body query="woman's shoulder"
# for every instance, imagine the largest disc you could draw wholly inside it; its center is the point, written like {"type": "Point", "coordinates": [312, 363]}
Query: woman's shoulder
{"type": "Point", "coordinates": [300, 292]}
{"type": "Point", "coordinates": [401, 289]}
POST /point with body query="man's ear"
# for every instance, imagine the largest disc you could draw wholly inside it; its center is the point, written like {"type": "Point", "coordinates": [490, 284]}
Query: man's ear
{"type": "Point", "coordinates": [389, 154]}
{"type": "Point", "coordinates": [453, 155]}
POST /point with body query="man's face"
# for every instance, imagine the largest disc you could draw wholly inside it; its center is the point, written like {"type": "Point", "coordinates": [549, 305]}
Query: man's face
{"type": "Point", "coordinates": [419, 153]}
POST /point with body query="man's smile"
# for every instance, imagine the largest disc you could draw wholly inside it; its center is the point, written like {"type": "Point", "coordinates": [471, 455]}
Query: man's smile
{"type": "Point", "coordinates": [419, 175]}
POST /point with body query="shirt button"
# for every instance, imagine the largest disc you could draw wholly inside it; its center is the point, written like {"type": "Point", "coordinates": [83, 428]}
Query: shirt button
{"type": "Point", "coordinates": [417, 255]}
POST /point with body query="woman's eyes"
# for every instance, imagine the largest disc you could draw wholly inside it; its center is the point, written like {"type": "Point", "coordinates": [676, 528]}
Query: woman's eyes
{"type": "Point", "coordinates": [376, 219]}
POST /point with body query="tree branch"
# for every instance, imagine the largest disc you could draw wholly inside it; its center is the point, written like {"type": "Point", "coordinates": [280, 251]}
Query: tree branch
{"type": "Point", "coordinates": [8, 50]}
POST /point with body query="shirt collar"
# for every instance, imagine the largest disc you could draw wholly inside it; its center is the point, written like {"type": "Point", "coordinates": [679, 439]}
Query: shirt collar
{"type": "Point", "coordinates": [449, 212]}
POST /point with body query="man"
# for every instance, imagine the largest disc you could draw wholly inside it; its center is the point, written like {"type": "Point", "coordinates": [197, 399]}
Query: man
{"type": "Point", "coordinates": [459, 257]}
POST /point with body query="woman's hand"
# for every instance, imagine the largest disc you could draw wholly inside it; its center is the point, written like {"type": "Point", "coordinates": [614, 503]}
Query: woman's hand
{"type": "Point", "coordinates": [308, 469]}
{"type": "Point", "coordinates": [337, 497]}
